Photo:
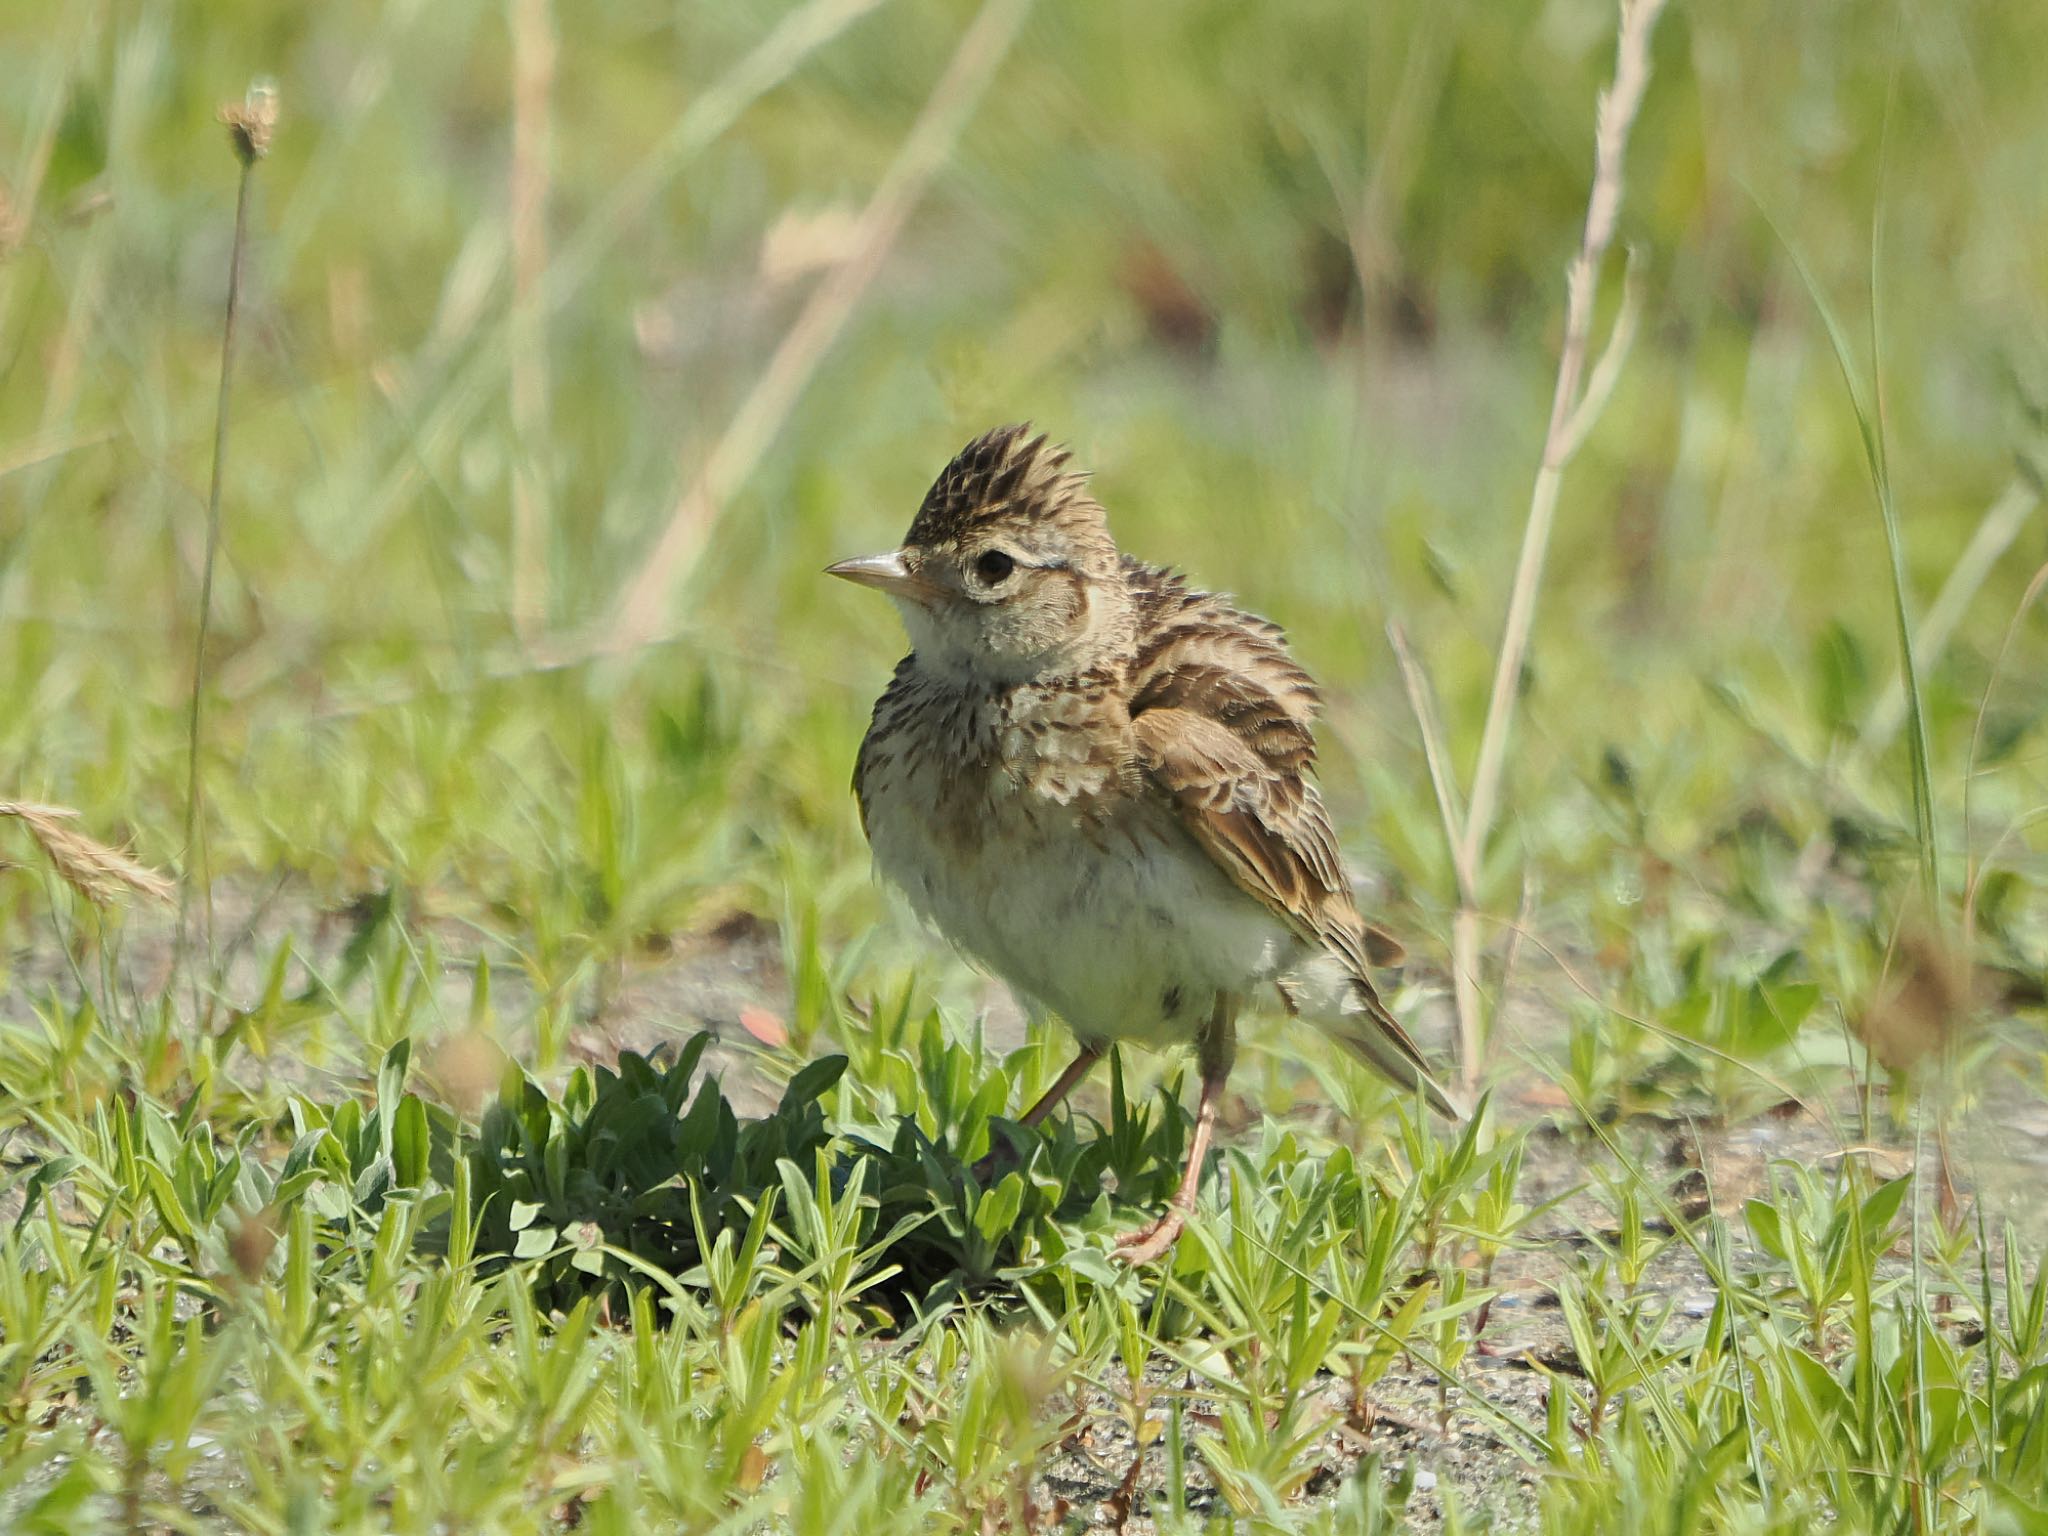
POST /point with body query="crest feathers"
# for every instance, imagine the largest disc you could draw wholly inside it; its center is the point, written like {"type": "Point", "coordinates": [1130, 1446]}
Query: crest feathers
{"type": "Point", "coordinates": [1006, 473]}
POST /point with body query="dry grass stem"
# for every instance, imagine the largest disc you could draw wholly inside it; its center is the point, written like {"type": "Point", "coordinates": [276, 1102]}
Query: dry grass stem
{"type": "Point", "coordinates": [1601, 381]}
{"type": "Point", "coordinates": [1426, 721]}
{"type": "Point", "coordinates": [1464, 983]}
{"type": "Point", "coordinates": [1465, 995]}
{"type": "Point", "coordinates": [1575, 403]}
{"type": "Point", "coordinates": [533, 75]}
{"type": "Point", "coordinates": [250, 127]}
{"type": "Point", "coordinates": [96, 871]}
{"type": "Point", "coordinates": [1616, 115]}
{"type": "Point", "coordinates": [643, 607]}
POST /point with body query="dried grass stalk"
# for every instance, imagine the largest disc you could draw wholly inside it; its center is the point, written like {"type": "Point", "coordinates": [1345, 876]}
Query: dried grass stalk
{"type": "Point", "coordinates": [1576, 402]}
{"type": "Point", "coordinates": [1572, 408]}
{"type": "Point", "coordinates": [250, 127]}
{"type": "Point", "coordinates": [96, 871]}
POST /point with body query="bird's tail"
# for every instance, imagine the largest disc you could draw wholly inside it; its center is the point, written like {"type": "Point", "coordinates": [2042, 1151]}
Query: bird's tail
{"type": "Point", "coordinates": [1330, 992]}
{"type": "Point", "coordinates": [1376, 1037]}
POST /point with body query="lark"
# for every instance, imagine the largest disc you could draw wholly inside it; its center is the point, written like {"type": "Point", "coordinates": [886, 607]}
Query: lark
{"type": "Point", "coordinates": [1098, 782]}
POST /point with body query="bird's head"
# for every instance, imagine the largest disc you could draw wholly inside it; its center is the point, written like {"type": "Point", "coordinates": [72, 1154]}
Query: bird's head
{"type": "Point", "coordinates": [1008, 571]}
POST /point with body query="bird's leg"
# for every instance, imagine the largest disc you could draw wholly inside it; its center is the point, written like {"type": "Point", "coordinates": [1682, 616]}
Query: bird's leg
{"type": "Point", "coordinates": [1050, 1100]}
{"type": "Point", "coordinates": [1215, 1051]}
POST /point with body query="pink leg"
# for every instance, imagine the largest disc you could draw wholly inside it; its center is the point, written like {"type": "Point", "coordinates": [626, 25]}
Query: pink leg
{"type": "Point", "coordinates": [1217, 1050]}
{"type": "Point", "coordinates": [1051, 1099]}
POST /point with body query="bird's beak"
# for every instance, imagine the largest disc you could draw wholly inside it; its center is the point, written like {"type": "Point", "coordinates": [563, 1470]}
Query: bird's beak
{"type": "Point", "coordinates": [885, 573]}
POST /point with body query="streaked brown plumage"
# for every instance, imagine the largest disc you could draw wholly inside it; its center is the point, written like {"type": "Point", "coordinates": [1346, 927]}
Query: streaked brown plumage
{"type": "Point", "coordinates": [1096, 780]}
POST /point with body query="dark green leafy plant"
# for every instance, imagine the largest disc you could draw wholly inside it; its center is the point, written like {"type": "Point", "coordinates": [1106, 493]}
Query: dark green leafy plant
{"type": "Point", "coordinates": [643, 1168]}
{"type": "Point", "coordinates": [625, 1166]}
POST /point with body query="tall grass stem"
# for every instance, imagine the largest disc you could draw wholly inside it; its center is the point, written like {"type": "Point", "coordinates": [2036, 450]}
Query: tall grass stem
{"type": "Point", "coordinates": [249, 131]}
{"type": "Point", "coordinates": [1568, 426]}
{"type": "Point", "coordinates": [1576, 401]}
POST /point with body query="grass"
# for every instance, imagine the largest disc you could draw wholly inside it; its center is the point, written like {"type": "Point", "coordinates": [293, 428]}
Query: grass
{"type": "Point", "coordinates": [561, 1132]}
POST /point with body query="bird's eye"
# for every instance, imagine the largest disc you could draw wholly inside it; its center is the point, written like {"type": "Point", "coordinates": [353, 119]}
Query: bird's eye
{"type": "Point", "coordinates": [992, 566]}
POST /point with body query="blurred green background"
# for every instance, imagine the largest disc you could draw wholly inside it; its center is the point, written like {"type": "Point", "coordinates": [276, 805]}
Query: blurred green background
{"type": "Point", "coordinates": [1289, 278]}
{"type": "Point", "coordinates": [524, 278]}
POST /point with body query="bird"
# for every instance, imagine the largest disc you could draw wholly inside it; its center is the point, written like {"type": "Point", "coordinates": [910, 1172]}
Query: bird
{"type": "Point", "coordinates": [1097, 781]}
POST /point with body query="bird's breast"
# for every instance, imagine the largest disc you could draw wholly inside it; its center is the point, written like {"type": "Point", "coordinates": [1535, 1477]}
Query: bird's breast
{"type": "Point", "coordinates": [1045, 866]}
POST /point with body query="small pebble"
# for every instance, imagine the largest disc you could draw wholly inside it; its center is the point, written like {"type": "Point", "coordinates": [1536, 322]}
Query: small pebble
{"type": "Point", "coordinates": [1425, 1481]}
{"type": "Point", "coordinates": [1697, 1306]}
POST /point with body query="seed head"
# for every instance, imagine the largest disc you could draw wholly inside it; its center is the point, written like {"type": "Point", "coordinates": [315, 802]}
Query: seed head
{"type": "Point", "coordinates": [251, 122]}
{"type": "Point", "coordinates": [97, 872]}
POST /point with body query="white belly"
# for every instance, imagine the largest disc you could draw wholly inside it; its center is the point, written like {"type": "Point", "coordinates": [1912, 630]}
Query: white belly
{"type": "Point", "coordinates": [1123, 936]}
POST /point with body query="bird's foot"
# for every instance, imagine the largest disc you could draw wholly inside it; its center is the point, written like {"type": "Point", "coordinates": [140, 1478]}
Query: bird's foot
{"type": "Point", "coordinates": [987, 1170]}
{"type": "Point", "coordinates": [1003, 1155]}
{"type": "Point", "coordinates": [1149, 1243]}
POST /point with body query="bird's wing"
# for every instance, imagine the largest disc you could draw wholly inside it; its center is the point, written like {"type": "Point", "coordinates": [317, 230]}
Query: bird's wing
{"type": "Point", "coordinates": [1222, 717]}
{"type": "Point", "coordinates": [1265, 826]}
{"type": "Point", "coordinates": [1224, 722]}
